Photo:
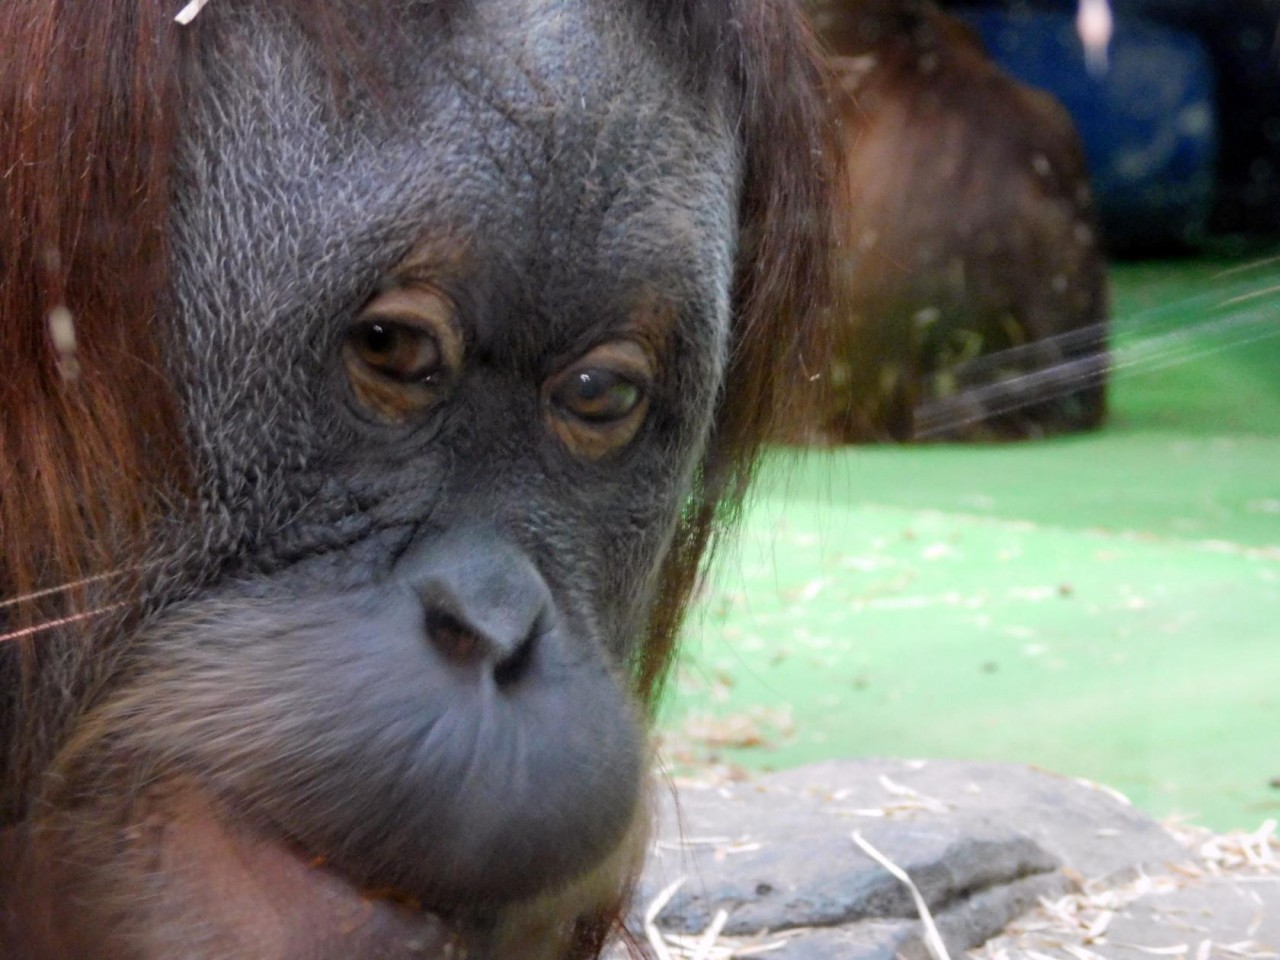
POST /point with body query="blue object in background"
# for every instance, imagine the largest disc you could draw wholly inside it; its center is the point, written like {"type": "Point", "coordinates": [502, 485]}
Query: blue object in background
{"type": "Point", "coordinates": [1148, 123]}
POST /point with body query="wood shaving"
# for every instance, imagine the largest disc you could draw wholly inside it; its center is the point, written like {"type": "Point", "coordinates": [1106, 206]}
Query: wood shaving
{"type": "Point", "coordinates": [932, 938]}
{"type": "Point", "coordinates": [913, 797]}
{"type": "Point", "coordinates": [190, 11]}
{"type": "Point", "coordinates": [655, 907]}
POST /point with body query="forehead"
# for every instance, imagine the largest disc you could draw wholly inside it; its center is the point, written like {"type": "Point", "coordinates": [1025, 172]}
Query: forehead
{"type": "Point", "coordinates": [549, 146]}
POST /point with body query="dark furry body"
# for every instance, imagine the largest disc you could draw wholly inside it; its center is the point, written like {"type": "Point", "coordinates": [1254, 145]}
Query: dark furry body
{"type": "Point", "coordinates": [972, 284]}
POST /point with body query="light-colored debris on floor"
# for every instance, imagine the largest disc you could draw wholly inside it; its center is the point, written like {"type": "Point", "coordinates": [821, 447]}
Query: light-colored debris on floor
{"type": "Point", "coordinates": [1079, 925]}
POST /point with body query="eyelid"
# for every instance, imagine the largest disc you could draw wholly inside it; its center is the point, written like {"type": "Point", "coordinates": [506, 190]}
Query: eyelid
{"type": "Point", "coordinates": [630, 358]}
{"type": "Point", "coordinates": [416, 304]}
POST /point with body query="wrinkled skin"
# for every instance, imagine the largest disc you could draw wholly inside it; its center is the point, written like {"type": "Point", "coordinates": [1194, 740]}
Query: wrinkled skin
{"type": "Point", "coordinates": [378, 706]}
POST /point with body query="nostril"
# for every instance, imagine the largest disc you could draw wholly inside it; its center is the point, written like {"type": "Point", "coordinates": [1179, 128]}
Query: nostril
{"type": "Point", "coordinates": [455, 641]}
{"type": "Point", "coordinates": [516, 664]}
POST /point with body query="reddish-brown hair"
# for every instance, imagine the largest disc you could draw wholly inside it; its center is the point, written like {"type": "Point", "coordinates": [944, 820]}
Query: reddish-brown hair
{"type": "Point", "coordinates": [87, 425]}
{"type": "Point", "coordinates": [782, 284]}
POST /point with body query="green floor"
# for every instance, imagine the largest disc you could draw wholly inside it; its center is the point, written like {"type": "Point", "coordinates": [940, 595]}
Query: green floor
{"type": "Point", "coordinates": [1106, 606]}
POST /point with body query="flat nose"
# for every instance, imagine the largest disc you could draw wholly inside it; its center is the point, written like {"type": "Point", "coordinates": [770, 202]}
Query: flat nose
{"type": "Point", "coordinates": [483, 600]}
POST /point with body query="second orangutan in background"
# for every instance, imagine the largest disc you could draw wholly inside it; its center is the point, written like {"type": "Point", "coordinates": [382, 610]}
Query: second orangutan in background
{"type": "Point", "coordinates": [974, 301]}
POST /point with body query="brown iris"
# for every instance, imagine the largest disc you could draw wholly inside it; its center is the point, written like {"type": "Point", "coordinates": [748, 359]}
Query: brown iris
{"type": "Point", "coordinates": [598, 395]}
{"type": "Point", "coordinates": [397, 350]}
{"type": "Point", "coordinates": [597, 404]}
{"type": "Point", "coordinates": [402, 352]}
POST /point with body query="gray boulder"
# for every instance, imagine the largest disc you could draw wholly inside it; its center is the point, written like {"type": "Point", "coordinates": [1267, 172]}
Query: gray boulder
{"type": "Point", "coordinates": [770, 865]}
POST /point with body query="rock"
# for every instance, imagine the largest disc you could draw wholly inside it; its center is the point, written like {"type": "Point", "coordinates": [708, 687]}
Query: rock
{"type": "Point", "coordinates": [1239, 914]}
{"type": "Point", "coordinates": [1225, 903]}
{"type": "Point", "coordinates": [982, 842]}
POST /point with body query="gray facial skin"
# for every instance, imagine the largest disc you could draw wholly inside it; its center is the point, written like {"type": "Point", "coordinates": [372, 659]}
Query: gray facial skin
{"type": "Point", "coordinates": [401, 650]}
